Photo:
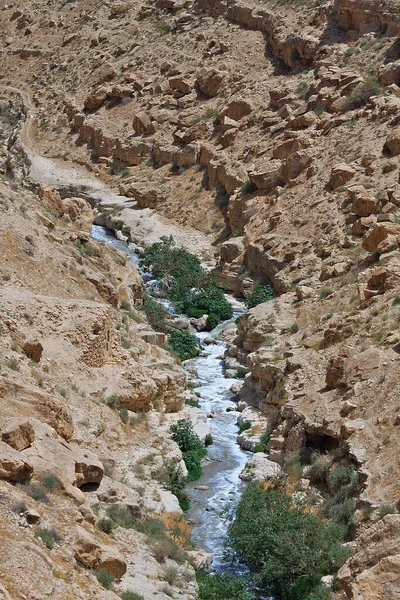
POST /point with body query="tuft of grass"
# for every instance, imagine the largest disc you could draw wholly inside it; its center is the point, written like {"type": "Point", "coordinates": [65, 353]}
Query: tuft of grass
{"type": "Point", "coordinates": [13, 364]}
{"type": "Point", "coordinates": [103, 577]}
{"type": "Point", "coordinates": [128, 595]}
{"type": "Point", "coordinates": [325, 292]}
{"type": "Point", "coordinates": [36, 492]}
{"type": "Point", "coordinates": [386, 509]}
{"type": "Point", "coordinates": [244, 427]}
{"type": "Point", "coordinates": [120, 515]}
{"type": "Point", "coordinates": [50, 483]}
{"type": "Point", "coordinates": [112, 401]}
{"type": "Point", "coordinates": [49, 536]}
{"type": "Point", "coordinates": [106, 525]}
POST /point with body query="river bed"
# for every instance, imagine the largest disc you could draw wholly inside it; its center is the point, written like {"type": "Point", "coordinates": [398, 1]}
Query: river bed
{"type": "Point", "coordinates": [215, 494]}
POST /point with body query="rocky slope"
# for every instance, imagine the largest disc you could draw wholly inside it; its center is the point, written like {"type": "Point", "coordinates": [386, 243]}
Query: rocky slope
{"type": "Point", "coordinates": [278, 126]}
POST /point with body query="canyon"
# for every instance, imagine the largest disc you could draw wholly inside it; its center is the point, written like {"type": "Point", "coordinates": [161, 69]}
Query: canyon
{"type": "Point", "coordinates": [265, 138]}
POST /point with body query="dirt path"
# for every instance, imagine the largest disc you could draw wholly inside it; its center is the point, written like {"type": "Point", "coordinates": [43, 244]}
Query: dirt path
{"type": "Point", "coordinates": [145, 225]}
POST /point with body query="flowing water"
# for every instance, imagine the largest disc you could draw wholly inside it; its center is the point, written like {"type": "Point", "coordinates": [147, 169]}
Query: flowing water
{"type": "Point", "coordinates": [214, 496]}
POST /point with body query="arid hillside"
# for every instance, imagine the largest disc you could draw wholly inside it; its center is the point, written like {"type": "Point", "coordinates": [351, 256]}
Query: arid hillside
{"type": "Point", "coordinates": [268, 134]}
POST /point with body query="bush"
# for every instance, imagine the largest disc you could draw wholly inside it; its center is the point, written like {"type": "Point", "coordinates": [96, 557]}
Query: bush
{"type": "Point", "coordinates": [120, 515]}
{"type": "Point", "coordinates": [183, 344]}
{"type": "Point", "coordinates": [164, 259]}
{"type": "Point", "coordinates": [167, 548]}
{"type": "Point", "coordinates": [209, 299]}
{"type": "Point", "coordinates": [261, 293]}
{"type": "Point", "coordinates": [112, 401]}
{"type": "Point", "coordinates": [49, 536]}
{"type": "Point", "coordinates": [342, 476]}
{"type": "Point", "coordinates": [155, 314]}
{"type": "Point", "coordinates": [222, 586]}
{"type": "Point", "coordinates": [289, 550]}
{"type": "Point", "coordinates": [171, 574]}
{"type": "Point", "coordinates": [386, 509]}
{"type": "Point", "coordinates": [107, 525]}
{"type": "Point", "coordinates": [318, 469]}
{"type": "Point", "coordinates": [325, 292]}
{"type": "Point", "coordinates": [190, 446]}
{"type": "Point", "coordinates": [50, 483]}
{"type": "Point", "coordinates": [363, 92]}
{"type": "Point", "coordinates": [103, 577]}
{"type": "Point", "coordinates": [131, 596]}
{"type": "Point", "coordinates": [208, 440]}
{"type": "Point", "coordinates": [37, 493]}
{"type": "Point", "coordinates": [153, 528]}
{"type": "Point", "coordinates": [244, 427]}
{"type": "Point", "coordinates": [292, 465]}
{"type": "Point", "coordinates": [123, 413]}
{"type": "Point", "coordinates": [248, 187]}
{"type": "Point", "coordinates": [212, 321]}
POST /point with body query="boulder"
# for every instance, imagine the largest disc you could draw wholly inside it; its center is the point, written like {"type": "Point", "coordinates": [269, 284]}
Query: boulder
{"type": "Point", "coordinates": [231, 249]}
{"type": "Point", "coordinates": [340, 175]}
{"type": "Point", "coordinates": [303, 121]}
{"type": "Point", "coordinates": [266, 177]}
{"type": "Point", "coordinates": [13, 466]}
{"type": "Point", "coordinates": [33, 350]}
{"type": "Point", "coordinates": [96, 99]}
{"type": "Point", "coordinates": [237, 109]}
{"type": "Point", "coordinates": [259, 468]}
{"type": "Point", "coordinates": [295, 164]}
{"type": "Point", "coordinates": [303, 292]}
{"type": "Point", "coordinates": [390, 73]}
{"type": "Point", "coordinates": [180, 85]}
{"type": "Point", "coordinates": [382, 232]}
{"type": "Point", "coordinates": [209, 82]}
{"type": "Point", "coordinates": [141, 123]}
{"type": "Point", "coordinates": [92, 554]}
{"type": "Point", "coordinates": [227, 124]}
{"type": "Point", "coordinates": [18, 433]}
{"type": "Point", "coordinates": [393, 142]}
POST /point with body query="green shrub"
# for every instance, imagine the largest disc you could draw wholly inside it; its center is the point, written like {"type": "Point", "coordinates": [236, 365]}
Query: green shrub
{"type": "Point", "coordinates": [49, 536]}
{"type": "Point", "coordinates": [342, 476]}
{"type": "Point", "coordinates": [155, 313]}
{"type": "Point", "coordinates": [289, 550]}
{"type": "Point", "coordinates": [125, 305]}
{"type": "Point", "coordinates": [191, 447]}
{"type": "Point", "coordinates": [153, 528]}
{"type": "Point", "coordinates": [248, 187]}
{"type": "Point", "coordinates": [192, 402]}
{"type": "Point", "coordinates": [123, 413]}
{"type": "Point", "coordinates": [121, 516]}
{"type": "Point", "coordinates": [209, 299]}
{"type": "Point", "coordinates": [103, 577]}
{"type": "Point", "coordinates": [171, 575]}
{"type": "Point", "coordinates": [112, 401]}
{"type": "Point", "coordinates": [363, 92]}
{"type": "Point", "coordinates": [261, 293]}
{"type": "Point", "coordinates": [183, 344]}
{"type": "Point", "coordinates": [107, 525]}
{"type": "Point", "coordinates": [318, 469]}
{"type": "Point", "coordinates": [222, 586]}
{"type": "Point", "coordinates": [50, 483]}
{"type": "Point", "coordinates": [195, 313]}
{"type": "Point", "coordinates": [212, 321]}
{"type": "Point", "coordinates": [131, 596]}
{"type": "Point", "coordinates": [37, 492]}
{"type": "Point", "coordinates": [386, 509]}
{"type": "Point", "coordinates": [325, 292]}
{"type": "Point", "coordinates": [292, 465]}
{"type": "Point", "coordinates": [13, 364]}
{"type": "Point", "coordinates": [244, 427]}
{"type": "Point", "coordinates": [240, 373]}
{"type": "Point", "coordinates": [208, 440]}
{"type": "Point", "coordinates": [164, 259]}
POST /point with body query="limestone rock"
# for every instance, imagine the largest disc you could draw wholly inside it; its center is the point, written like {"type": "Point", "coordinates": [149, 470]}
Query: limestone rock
{"type": "Point", "coordinates": [393, 142]}
{"type": "Point", "coordinates": [13, 466]}
{"type": "Point", "coordinates": [231, 249]}
{"type": "Point", "coordinates": [141, 123]}
{"type": "Point", "coordinates": [209, 82]}
{"type": "Point", "coordinates": [340, 175]}
{"type": "Point", "coordinates": [390, 73]}
{"type": "Point", "coordinates": [92, 554]}
{"type": "Point", "coordinates": [96, 99]}
{"type": "Point", "coordinates": [259, 468]}
{"type": "Point", "coordinates": [302, 292]}
{"type": "Point", "coordinates": [237, 109]}
{"type": "Point", "coordinates": [33, 350]}
{"type": "Point", "coordinates": [386, 233]}
{"type": "Point", "coordinates": [18, 434]}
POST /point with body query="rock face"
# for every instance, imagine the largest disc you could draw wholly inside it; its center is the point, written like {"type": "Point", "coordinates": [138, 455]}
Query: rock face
{"type": "Point", "coordinates": [13, 467]}
{"type": "Point", "coordinates": [18, 434]}
{"type": "Point", "coordinates": [374, 571]}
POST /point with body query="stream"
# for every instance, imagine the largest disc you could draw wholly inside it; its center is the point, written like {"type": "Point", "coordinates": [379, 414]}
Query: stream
{"type": "Point", "coordinates": [215, 494]}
